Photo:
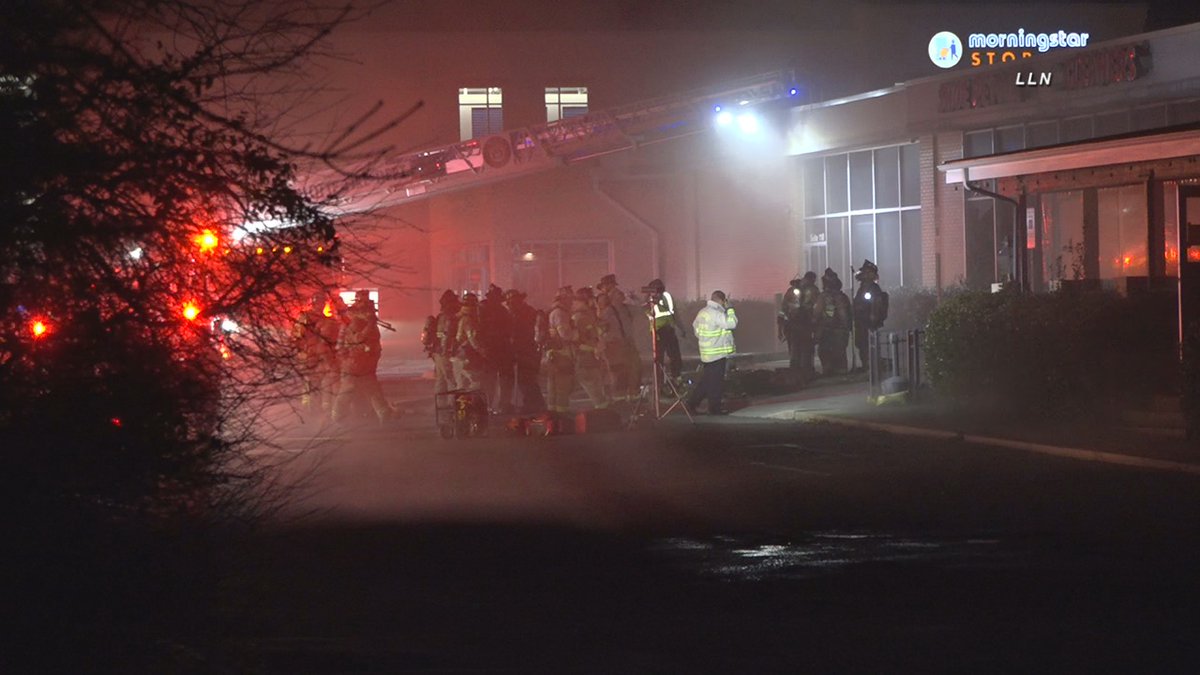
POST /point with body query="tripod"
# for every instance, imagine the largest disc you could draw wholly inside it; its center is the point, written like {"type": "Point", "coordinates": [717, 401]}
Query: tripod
{"type": "Point", "coordinates": [660, 371]}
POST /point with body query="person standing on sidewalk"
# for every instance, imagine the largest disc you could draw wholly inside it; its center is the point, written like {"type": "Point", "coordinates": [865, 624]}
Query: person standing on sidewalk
{"type": "Point", "coordinates": [714, 326]}
{"type": "Point", "coordinates": [870, 308]}
{"type": "Point", "coordinates": [662, 312]}
{"type": "Point", "coordinates": [832, 317]}
{"type": "Point", "coordinates": [796, 324]}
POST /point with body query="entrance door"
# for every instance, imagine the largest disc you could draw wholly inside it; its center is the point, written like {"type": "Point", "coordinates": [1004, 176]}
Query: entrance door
{"type": "Point", "coordinates": [1189, 257]}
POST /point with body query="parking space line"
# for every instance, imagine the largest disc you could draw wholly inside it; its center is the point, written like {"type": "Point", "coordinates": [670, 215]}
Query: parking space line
{"type": "Point", "coordinates": [791, 469]}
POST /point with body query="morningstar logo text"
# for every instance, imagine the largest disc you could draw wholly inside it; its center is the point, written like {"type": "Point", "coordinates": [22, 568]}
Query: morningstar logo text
{"type": "Point", "coordinates": [991, 48]}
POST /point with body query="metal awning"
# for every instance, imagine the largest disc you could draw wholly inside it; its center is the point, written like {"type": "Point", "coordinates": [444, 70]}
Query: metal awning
{"type": "Point", "coordinates": [1077, 156]}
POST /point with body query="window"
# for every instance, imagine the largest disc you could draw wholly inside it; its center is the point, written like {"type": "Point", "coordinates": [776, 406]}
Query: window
{"type": "Point", "coordinates": [1062, 236]}
{"type": "Point", "coordinates": [1111, 124]}
{"type": "Point", "coordinates": [1151, 117]}
{"type": "Point", "coordinates": [480, 112]}
{"type": "Point", "coordinates": [977, 143]}
{"type": "Point", "coordinates": [469, 267]}
{"type": "Point", "coordinates": [887, 178]}
{"type": "Point", "coordinates": [1123, 232]}
{"type": "Point", "coordinates": [1041, 134]}
{"type": "Point", "coordinates": [1171, 228]}
{"type": "Point", "coordinates": [1076, 129]}
{"type": "Point", "coordinates": [1010, 139]}
{"type": "Point", "coordinates": [865, 204]}
{"type": "Point", "coordinates": [862, 191]}
{"type": "Point", "coordinates": [565, 102]}
{"type": "Point", "coordinates": [542, 267]}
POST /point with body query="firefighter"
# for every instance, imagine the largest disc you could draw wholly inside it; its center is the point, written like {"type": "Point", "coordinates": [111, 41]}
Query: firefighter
{"type": "Point", "coordinates": [315, 334]}
{"type": "Point", "coordinates": [796, 323]}
{"type": "Point", "coordinates": [714, 325]}
{"type": "Point", "coordinates": [495, 327]}
{"type": "Point", "coordinates": [614, 350]}
{"type": "Point", "coordinates": [526, 351]}
{"type": "Point", "coordinates": [558, 361]}
{"type": "Point", "coordinates": [589, 369]}
{"type": "Point", "coordinates": [359, 350]}
{"type": "Point", "coordinates": [468, 347]}
{"type": "Point", "coordinates": [625, 314]}
{"type": "Point", "coordinates": [870, 308]}
{"type": "Point", "coordinates": [441, 347]}
{"type": "Point", "coordinates": [832, 320]}
{"type": "Point", "coordinates": [662, 311]}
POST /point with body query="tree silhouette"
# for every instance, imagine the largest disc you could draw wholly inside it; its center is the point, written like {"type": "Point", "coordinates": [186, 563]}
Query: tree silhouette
{"type": "Point", "coordinates": [156, 237]}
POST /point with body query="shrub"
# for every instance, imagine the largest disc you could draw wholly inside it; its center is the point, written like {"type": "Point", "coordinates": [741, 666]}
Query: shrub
{"type": "Point", "coordinates": [1055, 354]}
{"type": "Point", "coordinates": [909, 308]}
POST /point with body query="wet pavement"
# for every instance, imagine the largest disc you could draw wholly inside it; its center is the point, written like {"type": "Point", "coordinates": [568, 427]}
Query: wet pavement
{"type": "Point", "coordinates": [731, 545]}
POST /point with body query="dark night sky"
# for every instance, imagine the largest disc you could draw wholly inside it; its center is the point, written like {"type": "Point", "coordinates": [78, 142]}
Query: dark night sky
{"type": "Point", "coordinates": [695, 14]}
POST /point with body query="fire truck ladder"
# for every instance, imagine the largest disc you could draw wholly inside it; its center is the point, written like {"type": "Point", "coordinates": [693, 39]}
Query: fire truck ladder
{"type": "Point", "coordinates": [518, 152]}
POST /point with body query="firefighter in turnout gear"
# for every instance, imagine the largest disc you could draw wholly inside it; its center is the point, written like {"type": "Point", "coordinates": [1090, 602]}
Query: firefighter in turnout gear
{"type": "Point", "coordinates": [870, 308]}
{"type": "Point", "coordinates": [468, 346]}
{"type": "Point", "coordinates": [495, 326]}
{"type": "Point", "coordinates": [832, 315]}
{"type": "Point", "coordinates": [558, 362]}
{"type": "Point", "coordinates": [315, 335]}
{"type": "Point", "coordinates": [796, 315]}
{"type": "Point", "coordinates": [526, 352]}
{"type": "Point", "coordinates": [359, 350]}
{"type": "Point", "coordinates": [586, 343]}
{"type": "Point", "coordinates": [442, 343]}
{"type": "Point", "coordinates": [614, 351]}
{"type": "Point", "coordinates": [629, 325]}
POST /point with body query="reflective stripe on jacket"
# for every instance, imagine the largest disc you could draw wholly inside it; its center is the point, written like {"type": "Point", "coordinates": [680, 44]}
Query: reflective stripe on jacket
{"type": "Point", "coordinates": [664, 310]}
{"type": "Point", "coordinates": [714, 331]}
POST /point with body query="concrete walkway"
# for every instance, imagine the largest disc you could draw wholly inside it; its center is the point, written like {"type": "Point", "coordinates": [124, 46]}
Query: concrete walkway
{"type": "Point", "coordinates": [1097, 441]}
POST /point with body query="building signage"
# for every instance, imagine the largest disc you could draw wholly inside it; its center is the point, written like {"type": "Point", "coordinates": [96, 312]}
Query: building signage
{"type": "Point", "coordinates": [946, 49]}
{"type": "Point", "coordinates": [1113, 65]}
{"type": "Point", "coordinates": [1030, 227]}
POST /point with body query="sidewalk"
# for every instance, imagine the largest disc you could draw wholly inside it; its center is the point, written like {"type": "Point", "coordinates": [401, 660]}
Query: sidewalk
{"type": "Point", "coordinates": [1098, 440]}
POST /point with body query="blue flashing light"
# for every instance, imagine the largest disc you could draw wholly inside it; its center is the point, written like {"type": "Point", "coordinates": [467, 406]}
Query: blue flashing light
{"type": "Point", "coordinates": [716, 108]}
{"type": "Point", "coordinates": [793, 91]}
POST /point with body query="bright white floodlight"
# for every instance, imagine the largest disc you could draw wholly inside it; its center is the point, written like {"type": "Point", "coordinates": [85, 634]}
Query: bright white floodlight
{"type": "Point", "coordinates": [724, 118]}
{"type": "Point", "coordinates": [747, 123]}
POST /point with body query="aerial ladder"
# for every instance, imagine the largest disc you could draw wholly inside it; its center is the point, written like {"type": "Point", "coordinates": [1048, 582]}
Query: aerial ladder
{"type": "Point", "coordinates": [518, 152]}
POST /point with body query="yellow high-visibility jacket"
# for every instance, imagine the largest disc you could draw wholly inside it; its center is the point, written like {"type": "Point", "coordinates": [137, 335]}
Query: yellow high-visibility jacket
{"type": "Point", "coordinates": [714, 326]}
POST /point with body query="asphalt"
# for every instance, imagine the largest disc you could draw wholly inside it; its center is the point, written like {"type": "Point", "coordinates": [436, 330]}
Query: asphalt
{"type": "Point", "coordinates": [1095, 440]}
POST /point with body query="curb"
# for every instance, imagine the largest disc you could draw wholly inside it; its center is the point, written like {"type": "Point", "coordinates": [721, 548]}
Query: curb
{"type": "Point", "coordinates": [1040, 448]}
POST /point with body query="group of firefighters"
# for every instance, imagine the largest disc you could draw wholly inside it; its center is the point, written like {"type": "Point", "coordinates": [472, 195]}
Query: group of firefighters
{"type": "Point", "coordinates": [529, 361]}
{"type": "Point", "coordinates": [338, 349]}
{"type": "Point", "coordinates": [824, 319]}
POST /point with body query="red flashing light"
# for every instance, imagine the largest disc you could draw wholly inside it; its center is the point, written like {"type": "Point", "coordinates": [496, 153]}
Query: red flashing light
{"type": "Point", "coordinates": [1193, 254]}
{"type": "Point", "coordinates": [190, 311]}
{"type": "Point", "coordinates": [116, 421]}
{"type": "Point", "coordinates": [38, 328]}
{"type": "Point", "coordinates": [207, 241]}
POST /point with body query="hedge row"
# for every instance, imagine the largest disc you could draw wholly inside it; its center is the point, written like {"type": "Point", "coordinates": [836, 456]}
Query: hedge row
{"type": "Point", "coordinates": [1051, 354]}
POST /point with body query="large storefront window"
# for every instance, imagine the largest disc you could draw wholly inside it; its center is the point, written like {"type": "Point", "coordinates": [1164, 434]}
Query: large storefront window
{"type": "Point", "coordinates": [468, 266]}
{"type": "Point", "coordinates": [542, 267]}
{"type": "Point", "coordinates": [1061, 245]}
{"type": "Point", "coordinates": [1123, 232]}
{"type": "Point", "coordinates": [864, 205]}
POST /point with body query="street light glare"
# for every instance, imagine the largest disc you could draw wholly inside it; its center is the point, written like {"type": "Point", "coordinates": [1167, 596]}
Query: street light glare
{"type": "Point", "coordinates": [748, 123]}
